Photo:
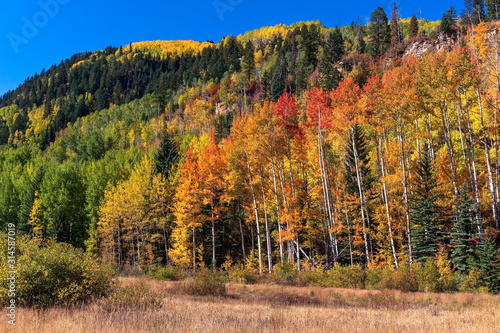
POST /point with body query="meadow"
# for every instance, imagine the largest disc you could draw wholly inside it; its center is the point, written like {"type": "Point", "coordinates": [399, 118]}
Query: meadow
{"type": "Point", "coordinates": [141, 304]}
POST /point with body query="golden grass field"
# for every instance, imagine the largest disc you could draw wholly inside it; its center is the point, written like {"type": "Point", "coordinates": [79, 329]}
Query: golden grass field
{"type": "Point", "coordinates": [162, 307]}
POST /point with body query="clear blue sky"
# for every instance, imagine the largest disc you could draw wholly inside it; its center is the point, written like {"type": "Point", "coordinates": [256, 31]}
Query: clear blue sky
{"type": "Point", "coordinates": [72, 26]}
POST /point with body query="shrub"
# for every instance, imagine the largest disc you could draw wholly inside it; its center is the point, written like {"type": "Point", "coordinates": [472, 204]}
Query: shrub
{"type": "Point", "coordinates": [347, 277]}
{"type": "Point", "coordinates": [54, 274]}
{"type": "Point", "coordinates": [405, 278]}
{"type": "Point", "coordinates": [284, 273]}
{"type": "Point", "coordinates": [205, 283]}
{"type": "Point", "coordinates": [314, 276]}
{"type": "Point", "coordinates": [242, 275]}
{"type": "Point", "coordinates": [164, 273]}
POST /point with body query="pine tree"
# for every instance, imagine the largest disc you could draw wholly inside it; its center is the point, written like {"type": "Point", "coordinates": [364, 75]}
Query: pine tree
{"type": "Point", "coordinates": [395, 30]}
{"type": "Point", "coordinates": [333, 52]}
{"type": "Point", "coordinates": [364, 158]}
{"type": "Point", "coordinates": [489, 265]}
{"type": "Point", "coordinates": [413, 27]}
{"type": "Point", "coordinates": [379, 35]}
{"type": "Point", "coordinates": [248, 61]}
{"type": "Point", "coordinates": [467, 12]}
{"type": "Point", "coordinates": [166, 156]}
{"type": "Point", "coordinates": [463, 233]}
{"type": "Point", "coordinates": [426, 224]}
{"type": "Point", "coordinates": [478, 11]}
{"type": "Point", "coordinates": [493, 10]}
{"type": "Point", "coordinates": [448, 20]}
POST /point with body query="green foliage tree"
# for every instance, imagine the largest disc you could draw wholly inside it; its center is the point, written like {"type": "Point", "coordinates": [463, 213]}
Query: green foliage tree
{"type": "Point", "coordinates": [167, 155]}
{"type": "Point", "coordinates": [489, 265]}
{"type": "Point", "coordinates": [333, 52]}
{"type": "Point", "coordinates": [448, 20]}
{"type": "Point", "coordinates": [379, 33]}
{"type": "Point", "coordinates": [425, 217]}
{"type": "Point", "coordinates": [478, 11]}
{"type": "Point", "coordinates": [248, 61]}
{"type": "Point", "coordinates": [463, 236]}
{"type": "Point", "coordinates": [493, 9]}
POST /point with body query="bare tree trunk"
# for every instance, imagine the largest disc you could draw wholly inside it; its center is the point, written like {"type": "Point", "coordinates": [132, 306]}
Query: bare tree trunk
{"type": "Point", "coordinates": [277, 209]}
{"type": "Point", "coordinates": [213, 236]}
{"type": "Point", "coordinates": [242, 236]}
{"type": "Point", "coordinates": [358, 176]}
{"type": "Point", "coordinates": [256, 217]}
{"type": "Point", "coordinates": [268, 235]}
{"type": "Point", "coordinates": [449, 145]}
{"type": "Point", "coordinates": [474, 172]}
{"type": "Point", "coordinates": [431, 144]}
{"type": "Point", "coordinates": [494, 203]}
{"type": "Point", "coordinates": [386, 201]}
{"type": "Point", "coordinates": [405, 196]}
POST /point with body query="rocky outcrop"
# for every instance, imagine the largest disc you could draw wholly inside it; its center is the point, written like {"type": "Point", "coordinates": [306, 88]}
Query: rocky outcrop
{"type": "Point", "coordinates": [420, 47]}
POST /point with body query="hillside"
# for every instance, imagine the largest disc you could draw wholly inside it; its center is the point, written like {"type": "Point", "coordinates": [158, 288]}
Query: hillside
{"type": "Point", "coordinates": [283, 149]}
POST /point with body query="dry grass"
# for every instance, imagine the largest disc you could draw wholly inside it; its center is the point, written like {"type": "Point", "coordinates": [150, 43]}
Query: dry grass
{"type": "Point", "coordinates": [270, 308]}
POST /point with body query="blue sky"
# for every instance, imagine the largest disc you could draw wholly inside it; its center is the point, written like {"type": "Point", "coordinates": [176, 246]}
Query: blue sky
{"type": "Point", "coordinates": [35, 34]}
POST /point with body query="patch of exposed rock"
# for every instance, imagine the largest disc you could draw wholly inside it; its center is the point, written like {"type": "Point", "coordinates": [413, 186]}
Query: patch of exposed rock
{"type": "Point", "coordinates": [420, 47]}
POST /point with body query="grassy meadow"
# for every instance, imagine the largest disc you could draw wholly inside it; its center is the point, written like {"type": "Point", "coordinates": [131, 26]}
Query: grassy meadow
{"type": "Point", "coordinates": [141, 304]}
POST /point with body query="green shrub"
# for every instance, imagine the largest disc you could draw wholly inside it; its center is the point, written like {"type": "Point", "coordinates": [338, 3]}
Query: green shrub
{"type": "Point", "coordinates": [347, 277]}
{"type": "Point", "coordinates": [284, 273]}
{"type": "Point", "coordinates": [54, 274]}
{"type": "Point", "coordinates": [315, 276]}
{"type": "Point", "coordinates": [205, 283]}
{"type": "Point", "coordinates": [164, 273]}
{"type": "Point", "coordinates": [242, 275]}
{"type": "Point", "coordinates": [404, 279]}
{"type": "Point", "coordinates": [428, 276]}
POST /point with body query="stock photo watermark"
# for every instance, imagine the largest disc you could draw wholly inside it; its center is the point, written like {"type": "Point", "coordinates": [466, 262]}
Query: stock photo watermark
{"type": "Point", "coordinates": [223, 6]}
{"type": "Point", "coordinates": [31, 26]}
{"type": "Point", "coordinates": [11, 273]}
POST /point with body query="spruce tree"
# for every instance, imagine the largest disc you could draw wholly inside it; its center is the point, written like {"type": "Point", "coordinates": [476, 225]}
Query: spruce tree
{"type": "Point", "coordinates": [333, 52]}
{"type": "Point", "coordinates": [248, 61]}
{"type": "Point", "coordinates": [424, 215]}
{"type": "Point", "coordinates": [362, 149]}
{"type": "Point", "coordinates": [464, 233]}
{"type": "Point", "coordinates": [448, 20]}
{"type": "Point", "coordinates": [167, 155]}
{"type": "Point", "coordinates": [489, 265]}
{"type": "Point", "coordinates": [395, 31]}
{"type": "Point", "coordinates": [379, 34]}
{"type": "Point", "coordinates": [478, 11]}
{"type": "Point", "coordinates": [413, 27]}
{"type": "Point", "coordinates": [493, 9]}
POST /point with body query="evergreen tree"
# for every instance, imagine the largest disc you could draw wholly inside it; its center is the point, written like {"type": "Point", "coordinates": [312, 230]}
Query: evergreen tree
{"type": "Point", "coordinates": [463, 233]}
{"type": "Point", "coordinates": [489, 265]}
{"type": "Point", "coordinates": [277, 86]}
{"type": "Point", "coordinates": [413, 27]}
{"type": "Point", "coordinates": [359, 42]}
{"type": "Point", "coordinates": [310, 43]}
{"type": "Point", "coordinates": [395, 30]}
{"type": "Point", "coordinates": [493, 9]}
{"type": "Point", "coordinates": [166, 156]}
{"type": "Point", "coordinates": [248, 61]}
{"type": "Point", "coordinates": [424, 214]}
{"type": "Point", "coordinates": [362, 149]}
{"type": "Point", "coordinates": [333, 52]}
{"type": "Point", "coordinates": [448, 20]}
{"type": "Point", "coordinates": [466, 15]}
{"type": "Point", "coordinates": [379, 35]}
{"type": "Point", "coordinates": [478, 11]}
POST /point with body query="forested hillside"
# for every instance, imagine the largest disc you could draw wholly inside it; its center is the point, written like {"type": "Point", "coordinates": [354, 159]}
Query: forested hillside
{"type": "Point", "coordinates": [294, 146]}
